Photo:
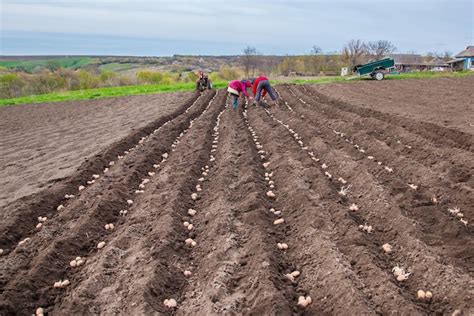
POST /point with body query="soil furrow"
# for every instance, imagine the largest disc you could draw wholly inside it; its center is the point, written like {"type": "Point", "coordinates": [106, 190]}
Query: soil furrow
{"type": "Point", "coordinates": [438, 229]}
{"type": "Point", "coordinates": [376, 208]}
{"type": "Point", "coordinates": [335, 202]}
{"type": "Point", "coordinates": [26, 210]}
{"type": "Point", "coordinates": [149, 254]}
{"type": "Point", "coordinates": [77, 228]}
{"type": "Point", "coordinates": [217, 259]}
{"type": "Point", "coordinates": [445, 101]}
{"type": "Point", "coordinates": [435, 133]}
{"type": "Point", "coordinates": [323, 226]}
{"type": "Point", "coordinates": [453, 165]}
{"type": "Point", "coordinates": [243, 272]}
{"type": "Point", "coordinates": [43, 144]}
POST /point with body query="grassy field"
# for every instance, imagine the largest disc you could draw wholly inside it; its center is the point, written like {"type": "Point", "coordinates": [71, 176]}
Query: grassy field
{"type": "Point", "coordinates": [411, 75]}
{"type": "Point", "coordinates": [91, 94]}
{"type": "Point", "coordinates": [118, 67]}
{"type": "Point", "coordinates": [30, 65]}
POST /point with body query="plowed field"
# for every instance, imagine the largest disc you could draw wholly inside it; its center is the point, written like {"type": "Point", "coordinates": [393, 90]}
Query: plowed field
{"type": "Point", "coordinates": [242, 212]}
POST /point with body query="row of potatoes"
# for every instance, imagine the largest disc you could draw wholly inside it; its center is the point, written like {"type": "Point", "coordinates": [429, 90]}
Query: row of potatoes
{"type": "Point", "coordinates": [79, 261]}
{"type": "Point", "coordinates": [303, 300]}
{"type": "Point", "coordinates": [172, 303]}
{"type": "Point", "coordinates": [399, 273]}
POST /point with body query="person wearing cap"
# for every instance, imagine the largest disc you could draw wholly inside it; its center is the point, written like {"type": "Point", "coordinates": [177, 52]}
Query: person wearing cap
{"type": "Point", "coordinates": [261, 86]}
{"type": "Point", "coordinates": [235, 88]}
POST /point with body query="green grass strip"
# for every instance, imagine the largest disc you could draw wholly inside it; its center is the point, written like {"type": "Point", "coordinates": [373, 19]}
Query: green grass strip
{"type": "Point", "coordinates": [30, 65]}
{"type": "Point", "coordinates": [394, 76]}
{"type": "Point", "coordinates": [92, 94]}
{"type": "Point", "coordinates": [99, 93]}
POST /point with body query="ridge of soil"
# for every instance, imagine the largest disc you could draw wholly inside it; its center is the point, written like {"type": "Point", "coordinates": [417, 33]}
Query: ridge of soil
{"type": "Point", "coordinates": [313, 173]}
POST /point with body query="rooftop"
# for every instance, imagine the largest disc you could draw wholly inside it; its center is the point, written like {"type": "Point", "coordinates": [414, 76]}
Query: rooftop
{"type": "Point", "coordinates": [407, 59]}
{"type": "Point", "coordinates": [468, 52]}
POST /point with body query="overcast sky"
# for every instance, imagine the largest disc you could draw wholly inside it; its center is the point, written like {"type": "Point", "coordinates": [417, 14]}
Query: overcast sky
{"type": "Point", "coordinates": [154, 27]}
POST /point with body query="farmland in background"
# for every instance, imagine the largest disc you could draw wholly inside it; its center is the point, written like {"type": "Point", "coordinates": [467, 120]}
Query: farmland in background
{"type": "Point", "coordinates": [49, 78]}
{"type": "Point", "coordinates": [48, 63]}
{"type": "Point", "coordinates": [218, 83]}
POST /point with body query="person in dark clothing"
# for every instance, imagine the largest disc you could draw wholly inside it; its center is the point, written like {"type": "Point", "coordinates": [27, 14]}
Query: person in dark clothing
{"type": "Point", "coordinates": [203, 82]}
{"type": "Point", "coordinates": [261, 86]}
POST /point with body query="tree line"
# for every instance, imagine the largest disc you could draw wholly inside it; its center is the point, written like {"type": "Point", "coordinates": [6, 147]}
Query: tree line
{"type": "Point", "coordinates": [353, 53]}
{"type": "Point", "coordinates": [316, 63]}
{"type": "Point", "coordinates": [53, 77]}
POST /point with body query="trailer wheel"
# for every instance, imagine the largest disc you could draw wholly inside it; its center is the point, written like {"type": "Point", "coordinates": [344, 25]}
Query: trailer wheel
{"type": "Point", "coordinates": [378, 75]}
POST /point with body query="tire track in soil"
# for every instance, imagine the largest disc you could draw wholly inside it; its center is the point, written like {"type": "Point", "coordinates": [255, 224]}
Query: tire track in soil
{"type": "Point", "coordinates": [437, 134]}
{"type": "Point", "coordinates": [426, 270]}
{"type": "Point", "coordinates": [26, 210]}
{"type": "Point", "coordinates": [237, 269]}
{"type": "Point", "coordinates": [438, 229]}
{"type": "Point", "coordinates": [32, 268]}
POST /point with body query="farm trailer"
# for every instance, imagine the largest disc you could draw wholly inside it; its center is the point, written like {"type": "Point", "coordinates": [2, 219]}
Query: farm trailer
{"type": "Point", "coordinates": [375, 69]}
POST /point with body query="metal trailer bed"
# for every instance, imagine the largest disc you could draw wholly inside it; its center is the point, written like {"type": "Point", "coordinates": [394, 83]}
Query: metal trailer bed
{"type": "Point", "coordinates": [375, 69]}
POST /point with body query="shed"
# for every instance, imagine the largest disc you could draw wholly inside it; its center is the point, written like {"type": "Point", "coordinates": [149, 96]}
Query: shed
{"type": "Point", "coordinates": [456, 64]}
{"type": "Point", "coordinates": [407, 62]}
{"type": "Point", "coordinates": [415, 62]}
{"type": "Point", "coordinates": [464, 60]}
{"type": "Point", "coordinates": [437, 64]}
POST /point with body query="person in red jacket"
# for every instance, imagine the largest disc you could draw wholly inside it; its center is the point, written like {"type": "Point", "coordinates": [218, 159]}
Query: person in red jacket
{"type": "Point", "coordinates": [261, 86]}
{"type": "Point", "coordinates": [235, 88]}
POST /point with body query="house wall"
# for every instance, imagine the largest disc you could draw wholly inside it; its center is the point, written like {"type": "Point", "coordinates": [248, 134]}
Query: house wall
{"type": "Point", "coordinates": [469, 63]}
{"type": "Point", "coordinates": [458, 66]}
{"type": "Point", "coordinates": [408, 68]}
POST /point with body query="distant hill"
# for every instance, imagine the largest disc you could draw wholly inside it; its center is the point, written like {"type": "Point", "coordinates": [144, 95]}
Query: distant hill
{"type": "Point", "coordinates": [127, 64]}
{"type": "Point", "coordinates": [30, 64]}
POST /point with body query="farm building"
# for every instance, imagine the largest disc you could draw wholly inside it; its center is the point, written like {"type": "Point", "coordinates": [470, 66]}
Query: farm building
{"type": "Point", "coordinates": [415, 62]}
{"type": "Point", "coordinates": [464, 60]}
{"type": "Point", "coordinates": [437, 64]}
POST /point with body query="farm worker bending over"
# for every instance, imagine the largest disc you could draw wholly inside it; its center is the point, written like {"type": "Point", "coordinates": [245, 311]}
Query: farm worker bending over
{"type": "Point", "coordinates": [235, 88]}
{"type": "Point", "coordinates": [261, 86]}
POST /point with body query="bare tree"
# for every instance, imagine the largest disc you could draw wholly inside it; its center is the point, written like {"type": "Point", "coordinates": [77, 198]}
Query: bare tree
{"type": "Point", "coordinates": [380, 48]}
{"type": "Point", "coordinates": [431, 55]}
{"type": "Point", "coordinates": [256, 61]}
{"type": "Point", "coordinates": [447, 55]}
{"type": "Point", "coordinates": [249, 60]}
{"type": "Point", "coordinates": [316, 51]}
{"type": "Point", "coordinates": [354, 51]}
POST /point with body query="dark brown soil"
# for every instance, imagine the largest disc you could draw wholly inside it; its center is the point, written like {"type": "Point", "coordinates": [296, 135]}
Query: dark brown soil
{"type": "Point", "coordinates": [236, 265]}
{"type": "Point", "coordinates": [446, 102]}
{"type": "Point", "coordinates": [43, 144]}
